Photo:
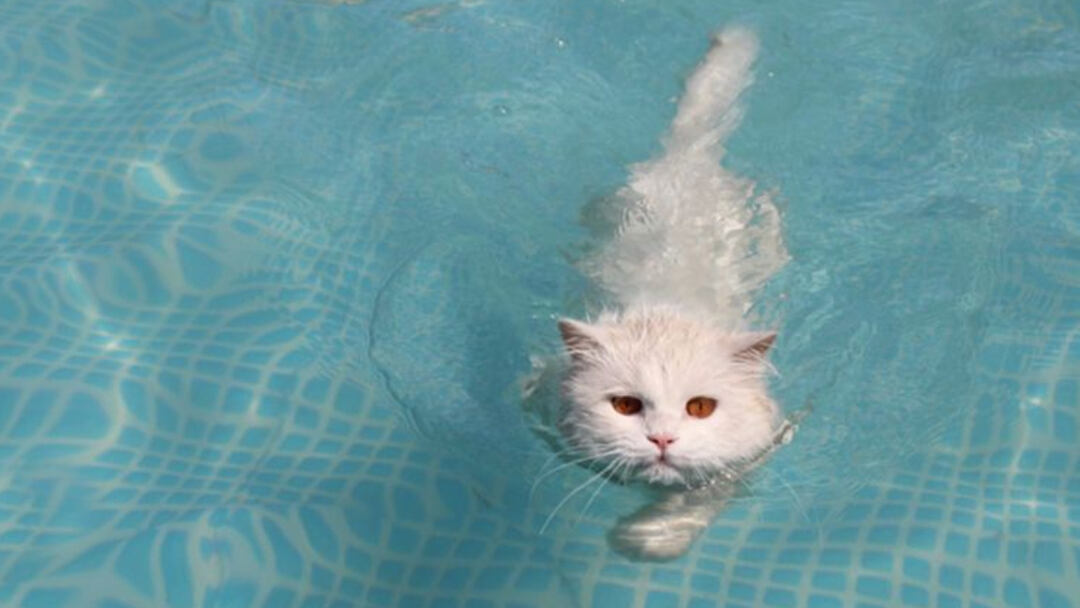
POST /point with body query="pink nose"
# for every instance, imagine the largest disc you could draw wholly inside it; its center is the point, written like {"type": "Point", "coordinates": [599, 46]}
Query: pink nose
{"type": "Point", "coordinates": [661, 441]}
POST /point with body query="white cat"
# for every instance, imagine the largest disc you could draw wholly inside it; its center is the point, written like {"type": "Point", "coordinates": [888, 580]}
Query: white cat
{"type": "Point", "coordinates": [666, 385]}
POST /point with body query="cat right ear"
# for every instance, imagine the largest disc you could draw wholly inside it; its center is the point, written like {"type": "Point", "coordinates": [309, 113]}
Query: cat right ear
{"type": "Point", "coordinates": [578, 338]}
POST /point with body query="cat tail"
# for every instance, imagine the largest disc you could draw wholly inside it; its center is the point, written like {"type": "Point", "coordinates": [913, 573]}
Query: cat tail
{"type": "Point", "coordinates": [707, 111]}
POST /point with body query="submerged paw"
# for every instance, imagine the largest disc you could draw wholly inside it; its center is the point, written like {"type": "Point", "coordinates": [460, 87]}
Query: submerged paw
{"type": "Point", "coordinates": [656, 536]}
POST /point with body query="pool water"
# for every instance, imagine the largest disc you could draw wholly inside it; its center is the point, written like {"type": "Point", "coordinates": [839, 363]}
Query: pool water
{"type": "Point", "coordinates": [272, 273]}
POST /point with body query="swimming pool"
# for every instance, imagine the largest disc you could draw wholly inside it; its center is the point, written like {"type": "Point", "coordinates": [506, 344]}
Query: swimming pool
{"type": "Point", "coordinates": [272, 271]}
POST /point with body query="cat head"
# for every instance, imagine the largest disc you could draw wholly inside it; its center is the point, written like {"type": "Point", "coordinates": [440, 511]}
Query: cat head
{"type": "Point", "coordinates": [665, 399]}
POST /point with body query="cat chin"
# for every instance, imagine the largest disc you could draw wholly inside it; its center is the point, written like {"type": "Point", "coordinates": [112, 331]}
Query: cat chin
{"type": "Point", "coordinates": [661, 474]}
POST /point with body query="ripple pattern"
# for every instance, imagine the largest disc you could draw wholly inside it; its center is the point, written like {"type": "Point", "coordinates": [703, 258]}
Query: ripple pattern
{"type": "Point", "coordinates": [270, 272]}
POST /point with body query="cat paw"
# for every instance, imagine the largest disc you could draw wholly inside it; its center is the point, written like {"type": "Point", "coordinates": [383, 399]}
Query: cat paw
{"type": "Point", "coordinates": [656, 538]}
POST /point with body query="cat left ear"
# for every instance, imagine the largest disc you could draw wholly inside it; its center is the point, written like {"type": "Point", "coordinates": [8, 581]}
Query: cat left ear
{"type": "Point", "coordinates": [578, 338]}
{"type": "Point", "coordinates": [753, 346]}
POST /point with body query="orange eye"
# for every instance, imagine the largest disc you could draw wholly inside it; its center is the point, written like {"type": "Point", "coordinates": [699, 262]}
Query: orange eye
{"type": "Point", "coordinates": [627, 406]}
{"type": "Point", "coordinates": [700, 407]}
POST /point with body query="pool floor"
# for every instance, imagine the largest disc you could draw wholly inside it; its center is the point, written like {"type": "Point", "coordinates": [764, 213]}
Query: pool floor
{"type": "Point", "coordinates": [272, 272]}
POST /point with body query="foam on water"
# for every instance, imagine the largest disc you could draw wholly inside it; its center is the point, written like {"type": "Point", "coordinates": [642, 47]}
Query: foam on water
{"type": "Point", "coordinates": [272, 271]}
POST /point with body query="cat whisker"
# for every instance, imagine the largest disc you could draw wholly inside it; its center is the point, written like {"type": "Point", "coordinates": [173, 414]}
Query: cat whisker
{"type": "Point", "coordinates": [627, 470]}
{"type": "Point", "coordinates": [740, 479]}
{"type": "Point", "coordinates": [571, 452]}
{"type": "Point", "coordinates": [575, 491]}
{"type": "Point", "coordinates": [542, 476]}
{"type": "Point", "coordinates": [791, 490]}
{"type": "Point", "coordinates": [555, 455]}
{"type": "Point", "coordinates": [699, 476]}
{"type": "Point", "coordinates": [618, 462]}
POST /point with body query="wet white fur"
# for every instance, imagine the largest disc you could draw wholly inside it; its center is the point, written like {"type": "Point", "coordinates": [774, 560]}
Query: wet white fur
{"type": "Point", "coordinates": [693, 244]}
{"type": "Point", "coordinates": [692, 235]}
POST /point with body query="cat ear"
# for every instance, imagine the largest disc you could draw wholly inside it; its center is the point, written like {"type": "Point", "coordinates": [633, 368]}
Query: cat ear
{"type": "Point", "coordinates": [752, 346]}
{"type": "Point", "coordinates": [579, 338]}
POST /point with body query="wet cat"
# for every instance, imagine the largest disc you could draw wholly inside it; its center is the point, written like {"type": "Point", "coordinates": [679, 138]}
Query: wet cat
{"type": "Point", "coordinates": [666, 385]}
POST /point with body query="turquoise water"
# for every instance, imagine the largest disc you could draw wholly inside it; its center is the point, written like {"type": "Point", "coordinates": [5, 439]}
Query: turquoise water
{"type": "Point", "coordinates": [272, 272]}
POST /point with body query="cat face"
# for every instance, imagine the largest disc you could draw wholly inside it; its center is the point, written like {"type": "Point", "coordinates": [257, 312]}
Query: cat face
{"type": "Point", "coordinates": [665, 399]}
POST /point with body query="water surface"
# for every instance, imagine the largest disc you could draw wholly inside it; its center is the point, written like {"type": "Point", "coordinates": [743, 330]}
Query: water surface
{"type": "Point", "coordinates": [272, 272]}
